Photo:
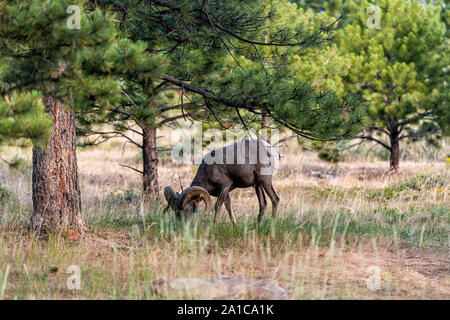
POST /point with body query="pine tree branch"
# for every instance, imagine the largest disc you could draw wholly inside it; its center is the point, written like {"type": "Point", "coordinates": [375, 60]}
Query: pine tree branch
{"type": "Point", "coordinates": [370, 138]}
{"type": "Point", "coordinates": [130, 115]}
{"type": "Point", "coordinates": [382, 130]}
{"type": "Point", "coordinates": [130, 167]}
{"type": "Point", "coordinates": [206, 93]}
{"type": "Point", "coordinates": [322, 29]}
{"type": "Point", "coordinates": [419, 134]}
{"type": "Point", "coordinates": [181, 116]}
{"type": "Point", "coordinates": [209, 95]}
{"type": "Point", "coordinates": [178, 106]}
{"type": "Point", "coordinates": [419, 116]}
{"type": "Point", "coordinates": [117, 133]}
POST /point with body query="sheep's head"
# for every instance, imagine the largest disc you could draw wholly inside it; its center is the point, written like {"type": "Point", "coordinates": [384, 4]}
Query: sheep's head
{"type": "Point", "coordinates": [186, 203]}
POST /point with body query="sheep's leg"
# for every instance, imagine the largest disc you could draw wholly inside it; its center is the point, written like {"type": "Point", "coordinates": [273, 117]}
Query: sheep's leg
{"type": "Point", "coordinates": [220, 200]}
{"type": "Point", "coordinates": [217, 208]}
{"type": "Point", "coordinates": [268, 188]}
{"type": "Point", "coordinates": [166, 209]}
{"type": "Point", "coordinates": [261, 199]}
{"type": "Point", "coordinates": [229, 208]}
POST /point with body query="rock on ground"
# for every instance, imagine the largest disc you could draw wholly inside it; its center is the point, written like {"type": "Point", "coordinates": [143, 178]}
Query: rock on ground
{"type": "Point", "coordinates": [223, 288]}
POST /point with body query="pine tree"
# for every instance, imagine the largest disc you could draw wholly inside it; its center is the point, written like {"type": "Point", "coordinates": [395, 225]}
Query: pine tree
{"type": "Point", "coordinates": [53, 61]}
{"type": "Point", "coordinates": [224, 60]}
{"type": "Point", "coordinates": [399, 71]}
{"type": "Point", "coordinates": [22, 116]}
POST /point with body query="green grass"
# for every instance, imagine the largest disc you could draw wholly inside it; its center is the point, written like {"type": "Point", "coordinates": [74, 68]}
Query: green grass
{"type": "Point", "coordinates": [427, 225]}
{"type": "Point", "coordinates": [307, 248]}
{"type": "Point", "coordinates": [417, 226]}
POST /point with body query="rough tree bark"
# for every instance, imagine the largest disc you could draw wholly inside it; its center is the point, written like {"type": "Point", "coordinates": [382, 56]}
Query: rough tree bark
{"type": "Point", "coordinates": [266, 125]}
{"type": "Point", "coordinates": [56, 191]}
{"type": "Point", "coordinates": [150, 164]}
{"type": "Point", "coordinates": [394, 160]}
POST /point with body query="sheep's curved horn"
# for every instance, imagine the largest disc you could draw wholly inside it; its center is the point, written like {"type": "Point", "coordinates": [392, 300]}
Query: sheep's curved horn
{"type": "Point", "coordinates": [192, 193]}
{"type": "Point", "coordinates": [171, 197]}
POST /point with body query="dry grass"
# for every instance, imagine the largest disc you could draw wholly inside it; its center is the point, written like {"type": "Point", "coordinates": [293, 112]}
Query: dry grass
{"type": "Point", "coordinates": [334, 223]}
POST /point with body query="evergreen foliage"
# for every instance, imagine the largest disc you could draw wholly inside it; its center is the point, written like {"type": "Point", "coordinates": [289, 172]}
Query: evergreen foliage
{"type": "Point", "coordinates": [226, 59]}
{"type": "Point", "coordinates": [399, 72]}
{"type": "Point", "coordinates": [42, 57]}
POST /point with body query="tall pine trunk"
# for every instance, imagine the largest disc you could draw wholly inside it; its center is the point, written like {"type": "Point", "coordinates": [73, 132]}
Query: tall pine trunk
{"type": "Point", "coordinates": [150, 164]}
{"type": "Point", "coordinates": [394, 160]}
{"type": "Point", "coordinates": [56, 191]}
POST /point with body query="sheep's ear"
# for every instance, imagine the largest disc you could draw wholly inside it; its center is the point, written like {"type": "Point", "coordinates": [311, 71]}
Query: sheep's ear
{"type": "Point", "coordinates": [171, 197]}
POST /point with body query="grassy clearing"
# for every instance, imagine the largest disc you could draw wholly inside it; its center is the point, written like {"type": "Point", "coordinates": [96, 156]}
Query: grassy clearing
{"type": "Point", "coordinates": [329, 237]}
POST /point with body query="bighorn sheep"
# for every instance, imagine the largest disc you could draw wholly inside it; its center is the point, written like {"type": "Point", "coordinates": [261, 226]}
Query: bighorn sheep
{"type": "Point", "coordinates": [247, 163]}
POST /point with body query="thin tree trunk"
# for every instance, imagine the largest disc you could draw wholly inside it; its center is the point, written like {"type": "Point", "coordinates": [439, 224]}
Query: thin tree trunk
{"type": "Point", "coordinates": [394, 160]}
{"type": "Point", "coordinates": [150, 164]}
{"type": "Point", "coordinates": [266, 125]}
{"type": "Point", "coordinates": [56, 192]}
